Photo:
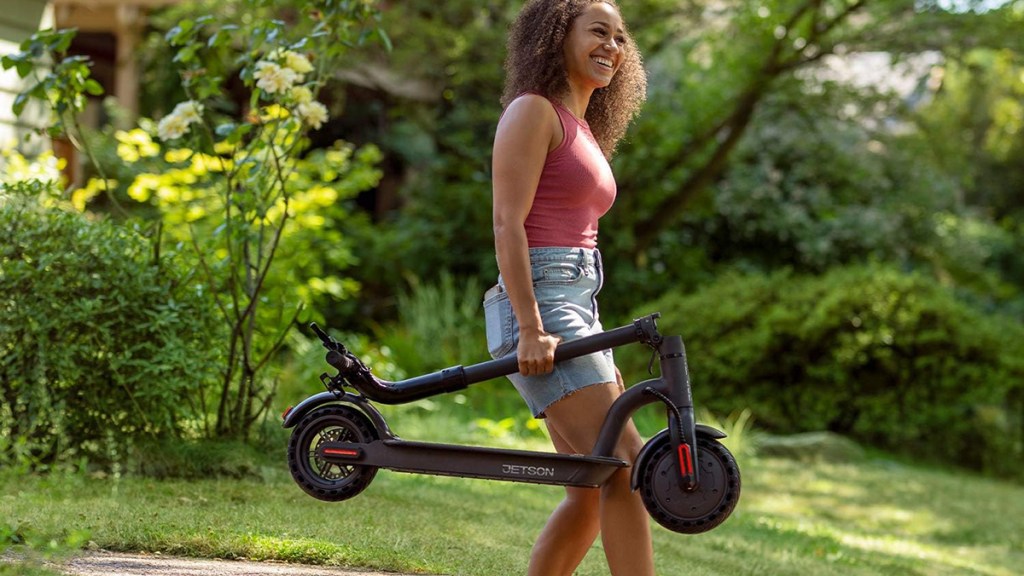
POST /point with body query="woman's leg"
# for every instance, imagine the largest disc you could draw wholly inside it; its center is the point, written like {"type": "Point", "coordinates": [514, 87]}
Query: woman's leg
{"type": "Point", "coordinates": [624, 523]}
{"type": "Point", "coordinates": [571, 529]}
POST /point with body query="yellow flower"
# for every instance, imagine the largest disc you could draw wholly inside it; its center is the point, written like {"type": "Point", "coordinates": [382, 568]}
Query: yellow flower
{"type": "Point", "coordinates": [297, 62]}
{"type": "Point", "coordinates": [301, 95]}
{"type": "Point", "coordinates": [178, 155]}
{"type": "Point", "coordinates": [81, 196]}
{"type": "Point", "coordinates": [273, 112]}
{"type": "Point", "coordinates": [127, 152]}
{"type": "Point", "coordinates": [142, 188]}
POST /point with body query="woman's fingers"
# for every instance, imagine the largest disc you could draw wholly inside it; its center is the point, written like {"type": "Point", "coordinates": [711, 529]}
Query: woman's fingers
{"type": "Point", "coordinates": [538, 357]}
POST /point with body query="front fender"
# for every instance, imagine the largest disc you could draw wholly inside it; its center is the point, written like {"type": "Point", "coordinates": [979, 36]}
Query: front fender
{"type": "Point", "coordinates": [702, 430]}
{"type": "Point", "coordinates": [295, 414]}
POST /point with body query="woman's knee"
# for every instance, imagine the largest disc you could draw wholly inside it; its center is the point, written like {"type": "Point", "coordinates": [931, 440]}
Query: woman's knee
{"type": "Point", "coordinates": [630, 444]}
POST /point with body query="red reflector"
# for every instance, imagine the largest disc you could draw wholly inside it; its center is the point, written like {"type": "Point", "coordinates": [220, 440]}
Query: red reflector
{"type": "Point", "coordinates": [341, 452]}
{"type": "Point", "coordinates": [284, 415]}
{"type": "Point", "coordinates": [685, 461]}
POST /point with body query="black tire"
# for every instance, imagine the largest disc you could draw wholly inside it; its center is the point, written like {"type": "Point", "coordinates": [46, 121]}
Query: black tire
{"type": "Point", "coordinates": [690, 512]}
{"type": "Point", "coordinates": [321, 479]}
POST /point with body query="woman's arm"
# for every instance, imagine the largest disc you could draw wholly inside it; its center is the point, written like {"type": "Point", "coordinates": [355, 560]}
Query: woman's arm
{"type": "Point", "coordinates": [528, 130]}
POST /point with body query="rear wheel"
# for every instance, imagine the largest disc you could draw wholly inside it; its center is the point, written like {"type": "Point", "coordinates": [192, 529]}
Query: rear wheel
{"type": "Point", "coordinates": [690, 512]}
{"type": "Point", "coordinates": [319, 478]}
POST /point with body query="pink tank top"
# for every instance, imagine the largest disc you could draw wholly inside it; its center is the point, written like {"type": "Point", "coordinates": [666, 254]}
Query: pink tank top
{"type": "Point", "coordinates": [576, 188]}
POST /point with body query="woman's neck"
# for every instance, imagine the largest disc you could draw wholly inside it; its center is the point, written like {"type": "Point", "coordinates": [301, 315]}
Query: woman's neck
{"type": "Point", "coordinates": [576, 101]}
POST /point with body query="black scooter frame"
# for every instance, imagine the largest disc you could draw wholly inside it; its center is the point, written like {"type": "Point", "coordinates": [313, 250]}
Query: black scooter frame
{"type": "Point", "coordinates": [394, 453]}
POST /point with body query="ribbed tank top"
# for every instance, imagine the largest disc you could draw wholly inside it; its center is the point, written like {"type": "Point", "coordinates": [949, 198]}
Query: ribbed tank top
{"type": "Point", "coordinates": [576, 188]}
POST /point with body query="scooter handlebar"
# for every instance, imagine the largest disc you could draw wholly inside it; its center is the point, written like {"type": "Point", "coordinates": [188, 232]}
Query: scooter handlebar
{"type": "Point", "coordinates": [458, 377]}
{"type": "Point", "coordinates": [641, 330]}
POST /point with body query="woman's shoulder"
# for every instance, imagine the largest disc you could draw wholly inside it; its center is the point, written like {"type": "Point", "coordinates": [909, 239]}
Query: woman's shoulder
{"type": "Point", "coordinates": [531, 102]}
{"type": "Point", "coordinates": [532, 109]}
{"type": "Point", "coordinates": [533, 116]}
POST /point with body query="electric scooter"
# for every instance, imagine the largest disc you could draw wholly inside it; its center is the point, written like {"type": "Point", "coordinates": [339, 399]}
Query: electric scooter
{"type": "Point", "coordinates": [688, 481]}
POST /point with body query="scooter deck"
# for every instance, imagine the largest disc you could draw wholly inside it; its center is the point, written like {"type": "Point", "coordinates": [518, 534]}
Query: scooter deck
{"type": "Point", "coordinates": [474, 462]}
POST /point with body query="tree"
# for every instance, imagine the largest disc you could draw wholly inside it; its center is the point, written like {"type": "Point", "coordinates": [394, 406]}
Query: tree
{"type": "Point", "coordinates": [738, 55]}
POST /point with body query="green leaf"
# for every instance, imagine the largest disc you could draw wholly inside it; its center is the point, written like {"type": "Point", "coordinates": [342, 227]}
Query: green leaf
{"type": "Point", "coordinates": [223, 130]}
{"type": "Point", "coordinates": [93, 87]}
{"type": "Point", "coordinates": [24, 68]}
{"type": "Point", "coordinates": [63, 40]}
{"type": "Point", "coordinates": [222, 37]}
{"type": "Point", "coordinates": [385, 39]}
{"type": "Point", "coordinates": [19, 103]}
{"type": "Point", "coordinates": [187, 55]}
{"type": "Point", "coordinates": [180, 33]}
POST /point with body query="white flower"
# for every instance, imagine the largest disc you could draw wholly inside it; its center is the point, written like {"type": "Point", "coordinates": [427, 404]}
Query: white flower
{"type": "Point", "coordinates": [272, 79]}
{"type": "Point", "coordinates": [190, 110]}
{"type": "Point", "coordinates": [313, 114]}
{"type": "Point", "coordinates": [176, 124]}
{"type": "Point", "coordinates": [301, 95]}
{"type": "Point", "coordinates": [172, 126]}
{"type": "Point", "coordinates": [297, 62]}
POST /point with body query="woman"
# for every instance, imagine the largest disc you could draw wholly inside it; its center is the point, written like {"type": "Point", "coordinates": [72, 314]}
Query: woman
{"type": "Point", "coordinates": [574, 81]}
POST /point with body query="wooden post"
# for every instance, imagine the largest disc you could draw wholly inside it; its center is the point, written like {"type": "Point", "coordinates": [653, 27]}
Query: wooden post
{"type": "Point", "coordinates": [128, 32]}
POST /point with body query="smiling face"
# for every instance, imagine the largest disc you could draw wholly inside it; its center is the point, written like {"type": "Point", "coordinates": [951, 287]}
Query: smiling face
{"type": "Point", "coordinates": [594, 47]}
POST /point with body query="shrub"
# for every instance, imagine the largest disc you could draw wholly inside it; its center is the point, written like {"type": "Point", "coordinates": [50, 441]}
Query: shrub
{"type": "Point", "coordinates": [886, 357]}
{"type": "Point", "coordinates": [101, 343]}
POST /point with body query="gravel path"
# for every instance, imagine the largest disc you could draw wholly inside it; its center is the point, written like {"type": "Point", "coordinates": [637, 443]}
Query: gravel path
{"type": "Point", "coordinates": [116, 564]}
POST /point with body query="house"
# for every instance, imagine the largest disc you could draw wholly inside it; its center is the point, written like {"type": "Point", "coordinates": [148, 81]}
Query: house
{"type": "Point", "coordinates": [109, 33]}
{"type": "Point", "coordinates": [18, 21]}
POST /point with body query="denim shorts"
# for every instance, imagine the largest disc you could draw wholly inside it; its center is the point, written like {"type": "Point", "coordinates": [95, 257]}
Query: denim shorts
{"type": "Point", "coordinates": [565, 283]}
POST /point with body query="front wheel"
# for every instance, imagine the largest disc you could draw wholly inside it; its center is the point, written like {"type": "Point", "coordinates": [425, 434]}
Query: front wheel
{"type": "Point", "coordinates": [317, 477]}
{"type": "Point", "coordinates": [690, 512]}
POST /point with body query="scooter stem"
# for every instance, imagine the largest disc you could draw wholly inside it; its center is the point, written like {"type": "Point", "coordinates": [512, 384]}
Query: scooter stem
{"type": "Point", "coordinates": [682, 425]}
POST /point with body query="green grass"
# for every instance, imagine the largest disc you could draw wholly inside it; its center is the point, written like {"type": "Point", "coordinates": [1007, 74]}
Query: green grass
{"type": "Point", "coordinates": [872, 518]}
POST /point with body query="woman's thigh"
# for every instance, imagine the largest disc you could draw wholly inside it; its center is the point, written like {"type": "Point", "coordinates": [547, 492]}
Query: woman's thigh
{"type": "Point", "coordinates": [577, 419]}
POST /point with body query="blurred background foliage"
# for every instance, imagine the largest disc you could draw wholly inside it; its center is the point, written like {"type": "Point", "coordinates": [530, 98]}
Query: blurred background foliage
{"type": "Point", "coordinates": [825, 197]}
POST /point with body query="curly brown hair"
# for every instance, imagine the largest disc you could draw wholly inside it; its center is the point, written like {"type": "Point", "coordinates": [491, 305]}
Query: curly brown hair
{"type": "Point", "coordinates": [535, 63]}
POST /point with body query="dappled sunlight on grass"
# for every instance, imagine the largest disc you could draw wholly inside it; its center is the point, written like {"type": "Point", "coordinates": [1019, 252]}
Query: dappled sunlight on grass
{"type": "Point", "coordinates": [918, 521]}
{"type": "Point", "coordinates": [873, 518]}
{"type": "Point", "coordinates": [952, 561]}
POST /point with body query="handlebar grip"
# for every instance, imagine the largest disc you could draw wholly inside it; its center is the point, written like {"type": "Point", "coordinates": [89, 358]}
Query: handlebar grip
{"type": "Point", "coordinates": [340, 361]}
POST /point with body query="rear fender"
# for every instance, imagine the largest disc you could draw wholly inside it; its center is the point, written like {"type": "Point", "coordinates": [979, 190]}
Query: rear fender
{"type": "Point", "coordinates": [702, 430]}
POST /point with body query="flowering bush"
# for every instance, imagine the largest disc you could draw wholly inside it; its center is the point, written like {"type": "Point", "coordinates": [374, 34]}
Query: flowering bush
{"type": "Point", "coordinates": [238, 189]}
{"type": "Point", "coordinates": [234, 181]}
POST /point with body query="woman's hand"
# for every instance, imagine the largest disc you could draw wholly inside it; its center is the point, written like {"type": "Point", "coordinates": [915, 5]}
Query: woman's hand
{"type": "Point", "coordinates": [536, 351]}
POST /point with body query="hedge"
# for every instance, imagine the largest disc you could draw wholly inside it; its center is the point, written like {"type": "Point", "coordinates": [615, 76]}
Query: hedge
{"type": "Point", "coordinates": [889, 358]}
{"type": "Point", "coordinates": [102, 343]}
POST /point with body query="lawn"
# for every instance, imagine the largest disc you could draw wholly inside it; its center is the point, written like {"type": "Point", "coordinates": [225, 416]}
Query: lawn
{"type": "Point", "coordinates": [873, 517]}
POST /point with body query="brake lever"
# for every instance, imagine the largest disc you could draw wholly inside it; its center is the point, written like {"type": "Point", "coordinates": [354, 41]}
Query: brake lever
{"type": "Point", "coordinates": [328, 342]}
